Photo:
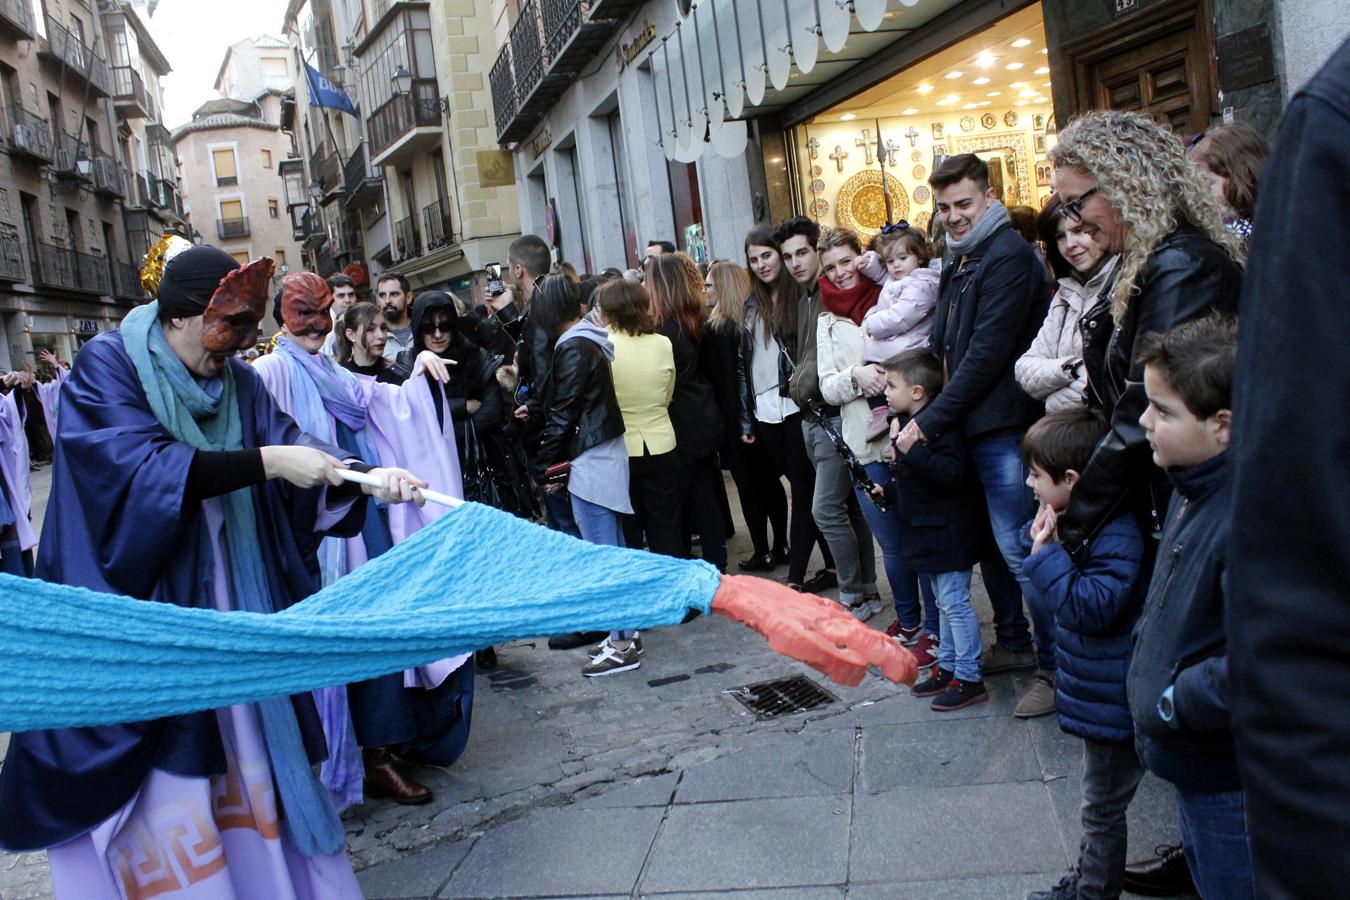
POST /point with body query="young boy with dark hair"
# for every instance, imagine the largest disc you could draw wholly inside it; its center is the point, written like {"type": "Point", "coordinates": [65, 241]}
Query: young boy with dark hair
{"type": "Point", "coordinates": [1096, 603]}
{"type": "Point", "coordinates": [939, 509]}
{"type": "Point", "coordinates": [1178, 680]}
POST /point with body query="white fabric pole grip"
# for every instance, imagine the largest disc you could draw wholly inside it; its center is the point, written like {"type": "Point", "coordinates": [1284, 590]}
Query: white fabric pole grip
{"type": "Point", "coordinates": [376, 482]}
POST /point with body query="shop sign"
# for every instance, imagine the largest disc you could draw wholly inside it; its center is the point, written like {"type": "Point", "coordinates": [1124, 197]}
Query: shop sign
{"type": "Point", "coordinates": [1246, 58]}
{"type": "Point", "coordinates": [496, 168]}
{"type": "Point", "coordinates": [624, 54]}
{"type": "Point", "coordinates": [86, 326]}
{"type": "Point", "coordinates": [540, 142]}
{"type": "Point", "coordinates": [1125, 6]}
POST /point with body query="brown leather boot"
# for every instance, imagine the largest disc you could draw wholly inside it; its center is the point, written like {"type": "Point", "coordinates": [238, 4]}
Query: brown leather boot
{"type": "Point", "coordinates": [384, 779]}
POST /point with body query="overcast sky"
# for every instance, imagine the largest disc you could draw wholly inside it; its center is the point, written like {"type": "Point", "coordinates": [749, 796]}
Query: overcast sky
{"type": "Point", "coordinates": [194, 34]}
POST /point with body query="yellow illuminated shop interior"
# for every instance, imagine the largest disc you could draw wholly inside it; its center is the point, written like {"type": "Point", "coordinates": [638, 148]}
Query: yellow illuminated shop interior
{"type": "Point", "coordinates": [988, 94]}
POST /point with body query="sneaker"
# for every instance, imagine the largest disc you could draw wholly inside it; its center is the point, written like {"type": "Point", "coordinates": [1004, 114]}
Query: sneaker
{"type": "Point", "coordinates": [611, 661]}
{"type": "Point", "coordinates": [959, 695]}
{"type": "Point", "coordinates": [902, 634]}
{"type": "Point", "coordinates": [1040, 700]}
{"type": "Point", "coordinates": [600, 647]}
{"type": "Point", "coordinates": [933, 685]}
{"type": "Point", "coordinates": [926, 650]}
{"type": "Point", "coordinates": [861, 610]}
{"type": "Point", "coordinates": [873, 601]}
{"type": "Point", "coordinates": [996, 659]}
{"type": "Point", "coordinates": [821, 581]}
{"type": "Point", "coordinates": [1067, 889]}
{"type": "Point", "coordinates": [879, 424]}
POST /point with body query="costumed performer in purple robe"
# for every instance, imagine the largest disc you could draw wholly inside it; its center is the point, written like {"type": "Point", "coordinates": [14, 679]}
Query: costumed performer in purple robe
{"type": "Point", "coordinates": [422, 715]}
{"type": "Point", "coordinates": [16, 496]}
{"type": "Point", "coordinates": [176, 479]}
{"type": "Point", "coordinates": [49, 392]}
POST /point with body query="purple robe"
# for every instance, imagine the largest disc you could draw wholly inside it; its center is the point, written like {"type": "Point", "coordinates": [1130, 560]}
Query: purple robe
{"type": "Point", "coordinates": [14, 469]}
{"type": "Point", "coordinates": [116, 522]}
{"type": "Point", "coordinates": [48, 394]}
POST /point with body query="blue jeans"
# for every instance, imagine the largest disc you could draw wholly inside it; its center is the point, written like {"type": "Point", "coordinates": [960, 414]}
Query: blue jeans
{"type": "Point", "coordinates": [959, 650]}
{"type": "Point", "coordinates": [559, 514]}
{"type": "Point", "coordinates": [886, 528]}
{"type": "Point", "coordinates": [1214, 834]}
{"type": "Point", "coordinates": [599, 525]}
{"type": "Point", "coordinates": [997, 458]}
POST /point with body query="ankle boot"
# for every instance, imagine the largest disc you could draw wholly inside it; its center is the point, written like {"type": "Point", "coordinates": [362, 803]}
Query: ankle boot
{"type": "Point", "coordinates": [385, 779]}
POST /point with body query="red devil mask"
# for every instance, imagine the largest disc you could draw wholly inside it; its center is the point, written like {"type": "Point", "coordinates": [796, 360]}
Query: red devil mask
{"type": "Point", "coordinates": [305, 301]}
{"type": "Point", "coordinates": [231, 319]}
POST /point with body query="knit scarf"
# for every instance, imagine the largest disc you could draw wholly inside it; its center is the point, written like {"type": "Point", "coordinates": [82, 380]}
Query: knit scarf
{"type": "Point", "coordinates": [206, 415]}
{"type": "Point", "coordinates": [850, 303]}
{"type": "Point", "coordinates": [995, 217]}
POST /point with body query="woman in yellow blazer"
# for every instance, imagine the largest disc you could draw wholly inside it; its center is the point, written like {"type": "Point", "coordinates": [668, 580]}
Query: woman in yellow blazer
{"type": "Point", "coordinates": [644, 382]}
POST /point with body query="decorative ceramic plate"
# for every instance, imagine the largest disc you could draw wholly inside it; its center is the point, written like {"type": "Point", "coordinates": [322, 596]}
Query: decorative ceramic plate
{"type": "Point", "coordinates": [1010, 118]}
{"type": "Point", "coordinates": [915, 155]}
{"type": "Point", "coordinates": [816, 171]}
{"type": "Point", "coordinates": [820, 207]}
{"type": "Point", "coordinates": [818, 186]}
{"type": "Point", "coordinates": [921, 194]}
{"type": "Point", "coordinates": [921, 220]}
{"type": "Point", "coordinates": [967, 123]}
{"type": "Point", "coordinates": [988, 120]}
{"type": "Point", "coordinates": [861, 204]}
{"type": "Point", "coordinates": [919, 171]}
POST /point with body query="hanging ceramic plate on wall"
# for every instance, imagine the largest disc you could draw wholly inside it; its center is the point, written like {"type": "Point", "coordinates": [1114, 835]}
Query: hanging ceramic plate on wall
{"type": "Point", "coordinates": [1010, 118]}
{"type": "Point", "coordinates": [988, 120]}
{"type": "Point", "coordinates": [915, 155]}
{"type": "Point", "coordinates": [818, 186]}
{"type": "Point", "coordinates": [922, 219]}
{"type": "Point", "coordinates": [921, 194]}
{"type": "Point", "coordinates": [919, 171]}
{"type": "Point", "coordinates": [861, 204]}
{"type": "Point", "coordinates": [816, 171]}
{"type": "Point", "coordinates": [820, 207]}
{"type": "Point", "coordinates": [967, 123]}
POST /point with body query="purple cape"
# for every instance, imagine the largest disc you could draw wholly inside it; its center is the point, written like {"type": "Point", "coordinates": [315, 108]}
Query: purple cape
{"type": "Point", "coordinates": [116, 522]}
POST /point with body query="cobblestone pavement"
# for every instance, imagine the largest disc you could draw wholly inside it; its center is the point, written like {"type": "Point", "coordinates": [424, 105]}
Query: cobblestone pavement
{"type": "Point", "coordinates": [659, 782]}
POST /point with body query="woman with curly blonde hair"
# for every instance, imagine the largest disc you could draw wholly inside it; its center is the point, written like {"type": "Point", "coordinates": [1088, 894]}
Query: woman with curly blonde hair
{"type": "Point", "coordinates": [1125, 182]}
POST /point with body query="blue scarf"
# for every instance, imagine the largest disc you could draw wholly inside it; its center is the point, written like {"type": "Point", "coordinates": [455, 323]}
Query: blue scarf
{"type": "Point", "coordinates": [206, 415]}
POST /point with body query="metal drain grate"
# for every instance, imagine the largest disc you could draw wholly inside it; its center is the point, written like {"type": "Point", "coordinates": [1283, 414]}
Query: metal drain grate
{"type": "Point", "coordinates": [787, 695]}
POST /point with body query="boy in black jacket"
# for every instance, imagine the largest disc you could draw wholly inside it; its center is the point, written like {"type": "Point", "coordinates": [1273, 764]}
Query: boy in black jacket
{"type": "Point", "coordinates": [1178, 680]}
{"type": "Point", "coordinates": [939, 508]}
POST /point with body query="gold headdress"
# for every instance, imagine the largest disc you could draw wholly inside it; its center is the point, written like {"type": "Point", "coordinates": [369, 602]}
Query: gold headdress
{"type": "Point", "coordinates": [152, 266]}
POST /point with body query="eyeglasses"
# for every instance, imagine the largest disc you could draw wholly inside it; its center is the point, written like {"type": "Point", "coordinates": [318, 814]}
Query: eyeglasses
{"type": "Point", "coordinates": [902, 225]}
{"type": "Point", "coordinates": [1073, 210]}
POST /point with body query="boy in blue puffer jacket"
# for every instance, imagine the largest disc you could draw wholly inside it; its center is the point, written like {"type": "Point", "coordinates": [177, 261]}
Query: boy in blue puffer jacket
{"type": "Point", "coordinates": [1095, 605]}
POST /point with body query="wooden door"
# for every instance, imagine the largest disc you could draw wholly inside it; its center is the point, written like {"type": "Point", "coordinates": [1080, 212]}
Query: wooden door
{"type": "Point", "coordinates": [1159, 62]}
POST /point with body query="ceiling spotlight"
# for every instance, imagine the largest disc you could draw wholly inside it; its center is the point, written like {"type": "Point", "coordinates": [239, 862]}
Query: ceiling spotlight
{"type": "Point", "coordinates": [1022, 42]}
{"type": "Point", "coordinates": [969, 105]}
{"type": "Point", "coordinates": [1028, 92]}
{"type": "Point", "coordinates": [994, 94]}
{"type": "Point", "coordinates": [985, 103]}
{"type": "Point", "coordinates": [909, 112]}
{"type": "Point", "coordinates": [953, 75]}
{"type": "Point", "coordinates": [849, 117]}
{"type": "Point", "coordinates": [1046, 83]}
{"type": "Point", "coordinates": [1013, 66]}
{"type": "Point", "coordinates": [980, 81]}
{"type": "Point", "coordinates": [948, 100]}
{"type": "Point", "coordinates": [925, 88]}
{"type": "Point", "coordinates": [1018, 84]}
{"type": "Point", "coordinates": [1020, 103]}
{"type": "Point", "coordinates": [1042, 70]}
{"type": "Point", "coordinates": [1045, 51]}
{"type": "Point", "coordinates": [984, 60]}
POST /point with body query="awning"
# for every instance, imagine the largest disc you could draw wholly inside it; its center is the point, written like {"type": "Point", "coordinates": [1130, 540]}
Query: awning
{"type": "Point", "coordinates": [728, 56]}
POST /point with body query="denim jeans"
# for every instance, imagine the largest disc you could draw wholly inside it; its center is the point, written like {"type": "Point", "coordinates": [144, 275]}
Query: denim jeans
{"type": "Point", "coordinates": [906, 585]}
{"type": "Point", "coordinates": [838, 517]}
{"type": "Point", "coordinates": [1111, 775]}
{"type": "Point", "coordinates": [558, 512]}
{"type": "Point", "coordinates": [599, 525]}
{"type": "Point", "coordinates": [1218, 852]}
{"type": "Point", "coordinates": [997, 458]}
{"type": "Point", "coordinates": [959, 650]}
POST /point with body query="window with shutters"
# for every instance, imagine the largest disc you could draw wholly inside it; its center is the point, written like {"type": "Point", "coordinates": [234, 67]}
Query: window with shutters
{"type": "Point", "coordinates": [224, 164]}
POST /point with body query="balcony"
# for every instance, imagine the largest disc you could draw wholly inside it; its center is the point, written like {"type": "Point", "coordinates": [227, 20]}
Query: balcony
{"type": "Point", "coordinates": [109, 179]}
{"type": "Point", "coordinates": [77, 57]}
{"type": "Point", "coordinates": [11, 254]}
{"type": "Point", "coordinates": [129, 96]}
{"type": "Point", "coordinates": [326, 165]}
{"type": "Point", "coordinates": [170, 200]}
{"type": "Point", "coordinates": [71, 270]}
{"type": "Point", "coordinates": [232, 228]}
{"type": "Point", "coordinates": [349, 241]}
{"type": "Point", "coordinates": [436, 218]}
{"type": "Point", "coordinates": [29, 136]}
{"type": "Point", "coordinates": [613, 9]}
{"type": "Point", "coordinates": [16, 17]}
{"type": "Point", "coordinates": [405, 125]}
{"type": "Point", "coordinates": [548, 46]}
{"type": "Point", "coordinates": [127, 282]}
{"type": "Point", "coordinates": [407, 239]}
{"type": "Point", "coordinates": [363, 186]}
{"type": "Point", "coordinates": [302, 226]}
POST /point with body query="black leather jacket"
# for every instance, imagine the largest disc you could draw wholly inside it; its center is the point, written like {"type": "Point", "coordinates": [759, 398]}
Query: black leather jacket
{"type": "Point", "coordinates": [1187, 276]}
{"type": "Point", "coordinates": [744, 376]}
{"type": "Point", "coordinates": [581, 410]}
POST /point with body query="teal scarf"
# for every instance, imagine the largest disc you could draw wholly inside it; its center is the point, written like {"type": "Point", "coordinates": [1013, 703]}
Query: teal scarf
{"type": "Point", "coordinates": [207, 417]}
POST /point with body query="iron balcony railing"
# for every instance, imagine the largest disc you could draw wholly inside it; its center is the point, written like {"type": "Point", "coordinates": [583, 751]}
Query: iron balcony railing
{"type": "Point", "coordinates": [108, 176]}
{"type": "Point", "coordinates": [11, 254]}
{"type": "Point", "coordinates": [127, 282]}
{"type": "Point", "coordinates": [78, 56]}
{"type": "Point", "coordinates": [436, 218]}
{"type": "Point", "coordinates": [17, 15]}
{"type": "Point", "coordinates": [29, 135]}
{"type": "Point", "coordinates": [69, 152]}
{"type": "Point", "coordinates": [502, 81]}
{"type": "Point", "coordinates": [527, 50]}
{"type": "Point", "coordinates": [169, 198]}
{"type": "Point", "coordinates": [129, 89]}
{"type": "Point", "coordinates": [326, 165]}
{"type": "Point", "coordinates": [407, 239]}
{"type": "Point", "coordinates": [141, 195]}
{"type": "Point", "coordinates": [360, 183]}
{"type": "Point", "coordinates": [232, 228]}
{"type": "Point", "coordinates": [60, 267]}
{"type": "Point", "coordinates": [402, 113]}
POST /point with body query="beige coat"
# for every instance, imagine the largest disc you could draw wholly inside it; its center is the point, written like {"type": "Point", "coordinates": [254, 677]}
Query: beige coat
{"type": "Point", "coordinates": [839, 347]}
{"type": "Point", "coordinates": [1040, 371]}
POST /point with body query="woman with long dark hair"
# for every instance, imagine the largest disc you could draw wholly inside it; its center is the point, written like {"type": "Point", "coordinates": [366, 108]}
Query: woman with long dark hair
{"type": "Point", "coordinates": [358, 346]}
{"type": "Point", "coordinates": [768, 357]}
{"type": "Point", "coordinates": [675, 285]}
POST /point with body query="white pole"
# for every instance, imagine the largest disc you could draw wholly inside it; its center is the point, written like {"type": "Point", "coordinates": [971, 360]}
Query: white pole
{"type": "Point", "coordinates": [376, 482]}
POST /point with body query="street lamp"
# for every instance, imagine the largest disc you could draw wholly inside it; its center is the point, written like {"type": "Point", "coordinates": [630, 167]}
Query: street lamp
{"type": "Point", "coordinates": [196, 237]}
{"type": "Point", "coordinates": [316, 190]}
{"type": "Point", "coordinates": [83, 164]}
{"type": "Point", "coordinates": [403, 86]}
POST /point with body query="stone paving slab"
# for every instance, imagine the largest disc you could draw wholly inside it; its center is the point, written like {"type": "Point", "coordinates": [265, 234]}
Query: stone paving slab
{"type": "Point", "coordinates": [807, 893]}
{"type": "Point", "coordinates": [413, 876]}
{"type": "Point", "coordinates": [791, 765]}
{"type": "Point", "coordinates": [780, 842]}
{"type": "Point", "coordinates": [999, 887]}
{"type": "Point", "coordinates": [558, 852]}
{"type": "Point", "coordinates": [940, 754]}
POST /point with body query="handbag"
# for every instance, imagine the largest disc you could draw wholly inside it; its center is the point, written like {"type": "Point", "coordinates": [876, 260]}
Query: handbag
{"type": "Point", "coordinates": [480, 478]}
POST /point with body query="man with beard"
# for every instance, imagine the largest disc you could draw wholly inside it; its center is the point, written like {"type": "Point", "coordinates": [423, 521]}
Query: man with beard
{"type": "Point", "coordinates": [177, 480]}
{"type": "Point", "coordinates": [394, 295]}
{"type": "Point", "coordinates": [421, 715]}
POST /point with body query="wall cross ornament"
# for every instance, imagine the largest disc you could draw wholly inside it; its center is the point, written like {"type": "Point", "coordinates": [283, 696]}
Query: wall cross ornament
{"type": "Point", "coordinates": [893, 154]}
{"type": "Point", "coordinates": [813, 148]}
{"type": "Point", "coordinates": [865, 142]}
{"type": "Point", "coordinates": [839, 155]}
{"type": "Point", "coordinates": [913, 135]}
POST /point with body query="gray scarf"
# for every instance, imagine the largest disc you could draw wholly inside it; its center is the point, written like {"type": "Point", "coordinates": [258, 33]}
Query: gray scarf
{"type": "Point", "coordinates": [994, 217]}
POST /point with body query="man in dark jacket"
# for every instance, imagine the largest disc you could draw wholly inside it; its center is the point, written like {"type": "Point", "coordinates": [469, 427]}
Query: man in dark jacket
{"type": "Point", "coordinates": [991, 302]}
{"type": "Point", "coordinates": [1289, 559]}
{"type": "Point", "coordinates": [1178, 680]}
